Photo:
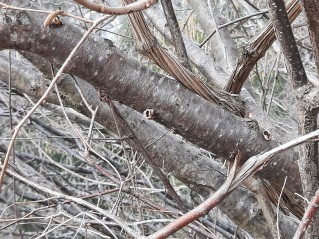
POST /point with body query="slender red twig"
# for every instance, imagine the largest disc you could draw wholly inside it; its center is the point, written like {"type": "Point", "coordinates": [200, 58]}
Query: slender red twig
{"type": "Point", "coordinates": [234, 179]}
{"type": "Point", "coordinates": [306, 219]}
{"type": "Point", "coordinates": [201, 209]}
{"type": "Point", "coordinates": [16, 130]}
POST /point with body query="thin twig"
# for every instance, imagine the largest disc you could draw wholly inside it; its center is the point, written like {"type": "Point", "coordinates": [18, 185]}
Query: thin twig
{"type": "Point", "coordinates": [230, 23]}
{"type": "Point", "coordinates": [274, 83]}
{"type": "Point", "coordinates": [88, 147]}
{"type": "Point", "coordinates": [6, 6]}
{"type": "Point", "coordinates": [176, 34]}
{"type": "Point", "coordinates": [277, 211]}
{"type": "Point", "coordinates": [75, 200]}
{"type": "Point", "coordinates": [240, 22]}
{"type": "Point", "coordinates": [306, 219]}
{"type": "Point", "coordinates": [202, 209]}
{"type": "Point", "coordinates": [148, 157]}
{"type": "Point", "coordinates": [186, 21]}
{"type": "Point", "coordinates": [58, 75]}
{"type": "Point", "coordinates": [133, 7]}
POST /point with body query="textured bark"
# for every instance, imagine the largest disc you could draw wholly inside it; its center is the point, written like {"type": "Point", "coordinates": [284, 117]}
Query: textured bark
{"type": "Point", "coordinates": [180, 50]}
{"type": "Point", "coordinates": [286, 38]}
{"type": "Point", "coordinates": [178, 157]}
{"type": "Point", "coordinates": [308, 163]}
{"type": "Point", "coordinates": [307, 115]}
{"type": "Point", "coordinates": [103, 66]}
{"type": "Point", "coordinates": [209, 68]}
{"type": "Point", "coordinates": [311, 9]}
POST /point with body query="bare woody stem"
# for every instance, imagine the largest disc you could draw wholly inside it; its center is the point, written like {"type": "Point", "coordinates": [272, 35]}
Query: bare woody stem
{"type": "Point", "coordinates": [307, 114]}
{"type": "Point", "coordinates": [175, 31]}
{"type": "Point", "coordinates": [6, 6]}
{"type": "Point", "coordinates": [79, 201]}
{"type": "Point", "coordinates": [234, 179]}
{"type": "Point", "coordinates": [256, 49]}
{"type": "Point", "coordinates": [310, 212]}
{"type": "Point", "coordinates": [202, 209]}
{"type": "Point", "coordinates": [58, 75]}
{"type": "Point", "coordinates": [133, 7]}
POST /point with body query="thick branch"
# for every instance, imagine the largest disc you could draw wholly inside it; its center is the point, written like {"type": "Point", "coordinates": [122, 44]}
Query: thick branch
{"type": "Point", "coordinates": [311, 9]}
{"type": "Point", "coordinates": [208, 66]}
{"type": "Point", "coordinates": [183, 160]}
{"type": "Point", "coordinates": [125, 80]}
{"type": "Point", "coordinates": [307, 117]}
{"type": "Point", "coordinates": [175, 32]}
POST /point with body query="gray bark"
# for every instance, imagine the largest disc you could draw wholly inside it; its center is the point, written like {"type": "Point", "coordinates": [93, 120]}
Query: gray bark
{"type": "Point", "coordinates": [103, 66]}
{"type": "Point", "coordinates": [178, 157]}
{"type": "Point", "coordinates": [307, 115]}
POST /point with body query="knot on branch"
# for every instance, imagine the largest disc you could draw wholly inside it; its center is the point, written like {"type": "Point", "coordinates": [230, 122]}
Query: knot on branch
{"type": "Point", "coordinates": [53, 18]}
